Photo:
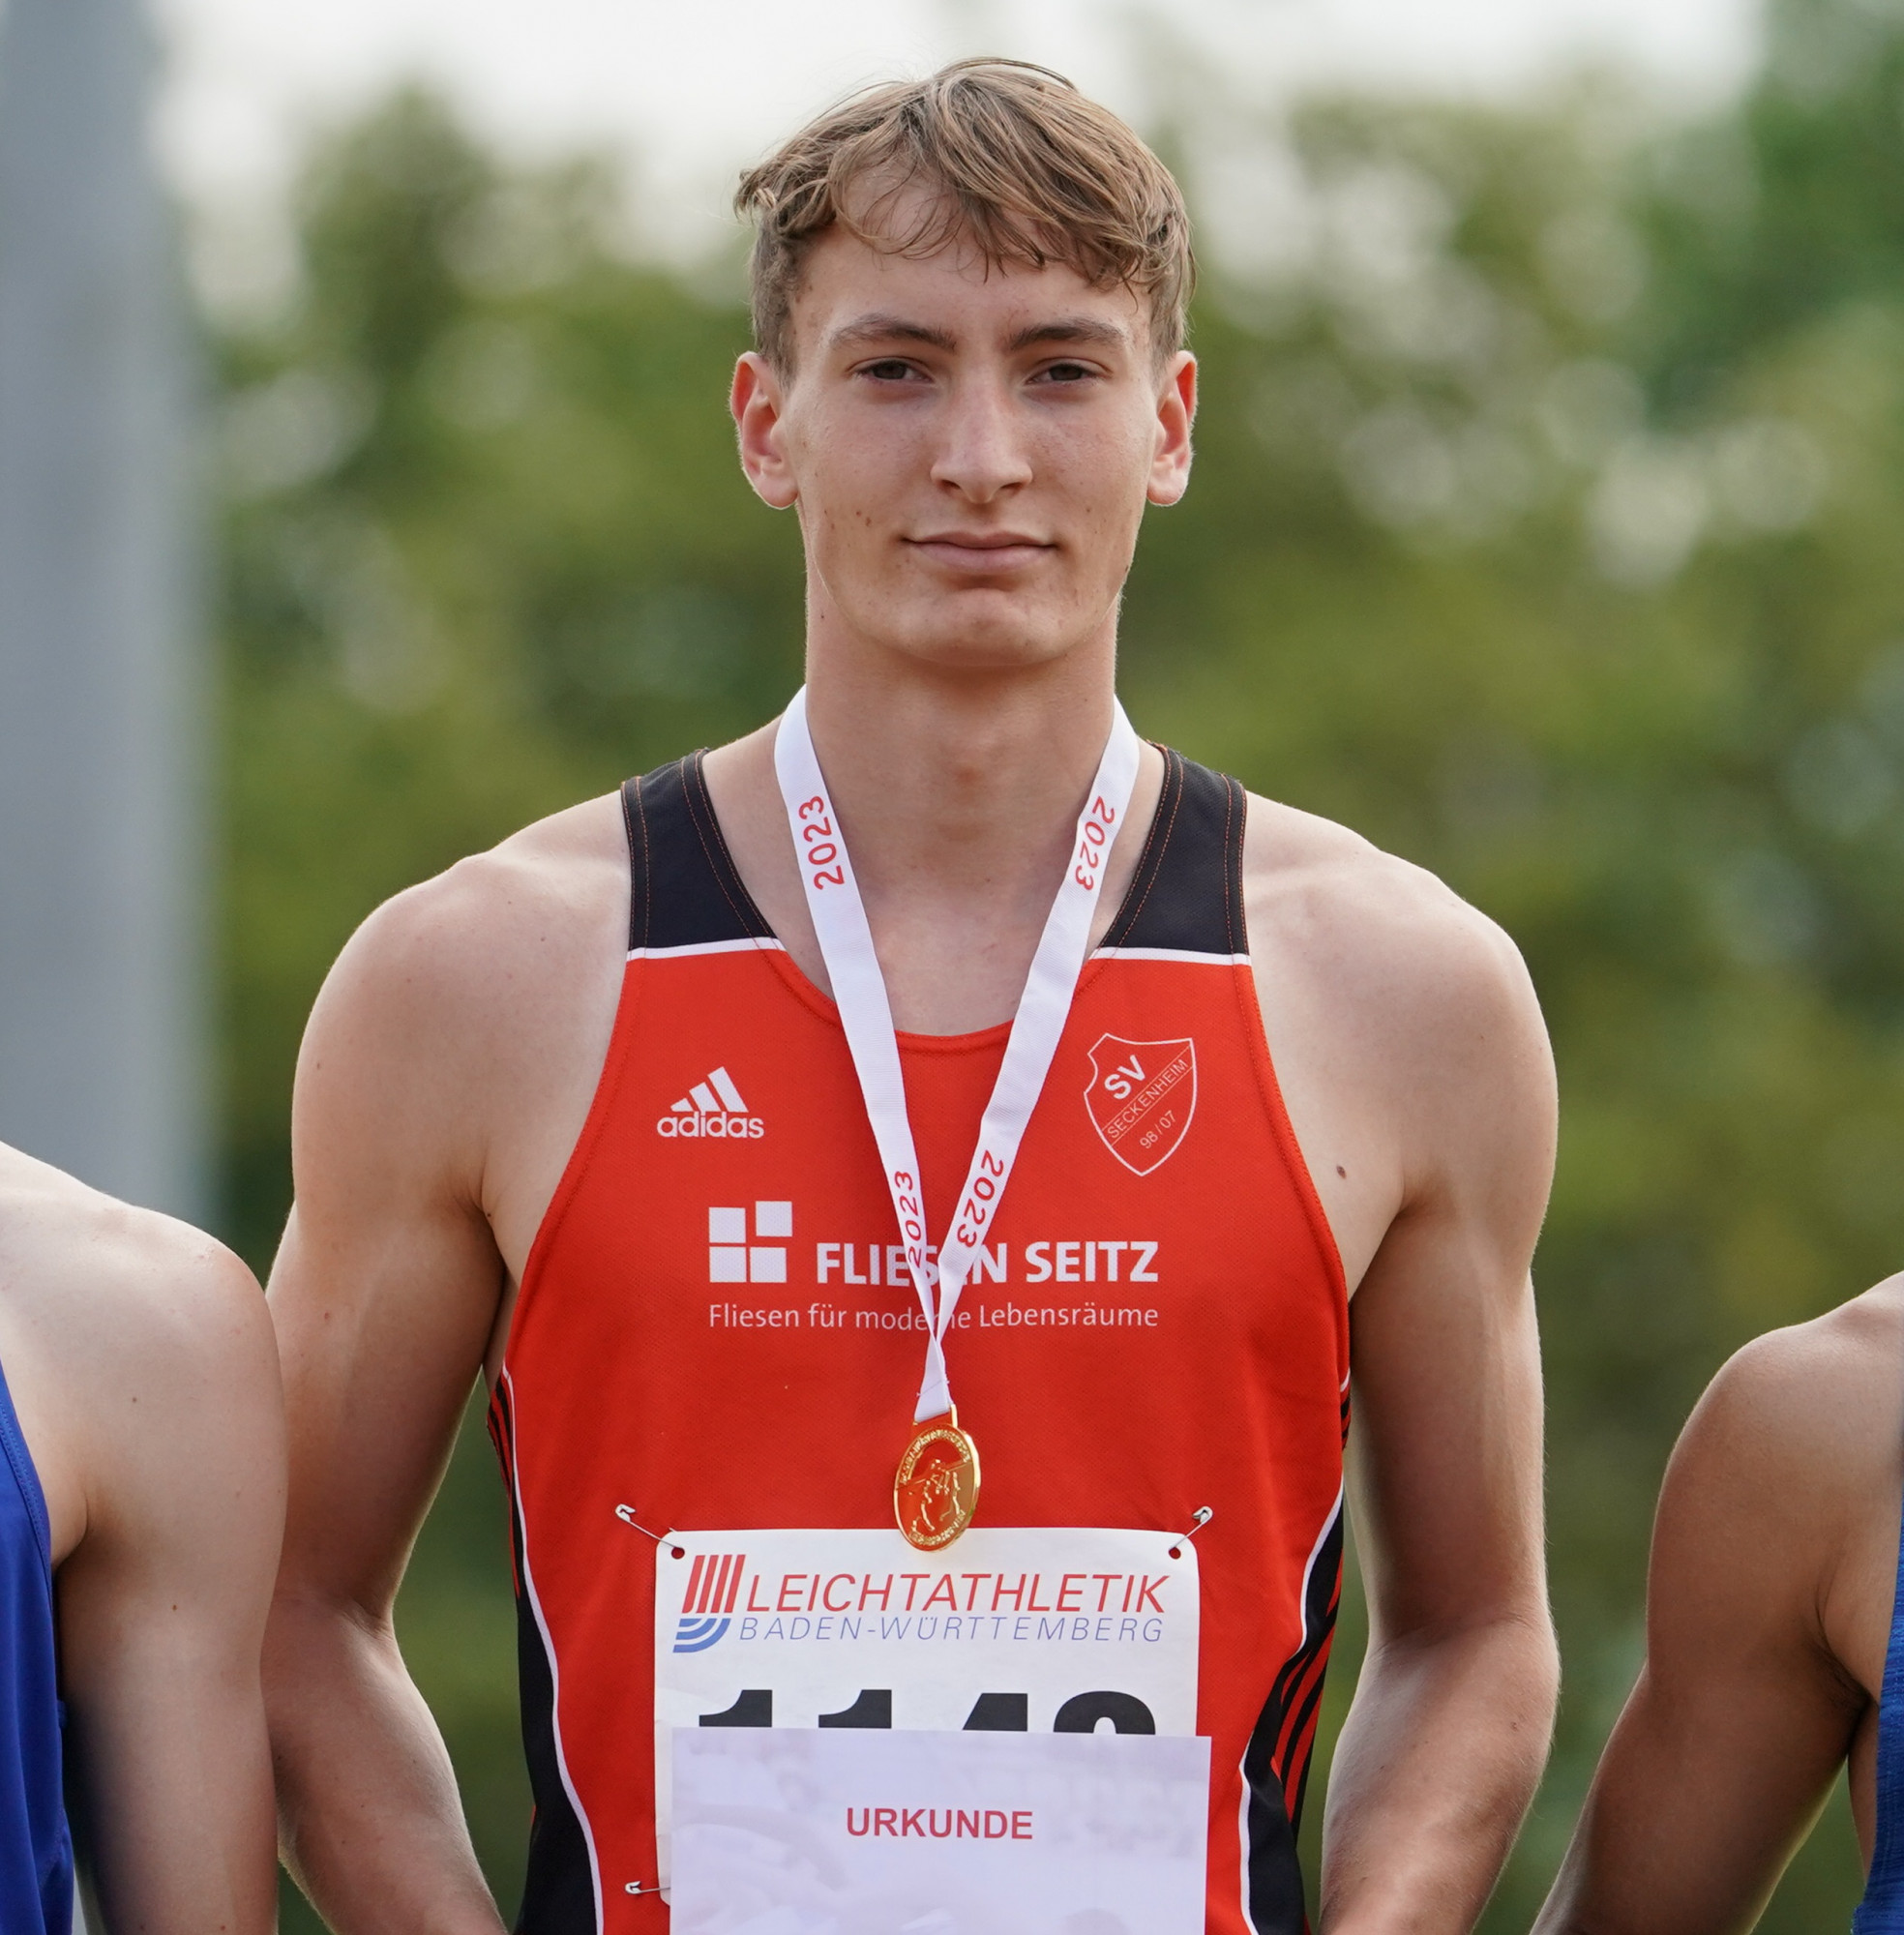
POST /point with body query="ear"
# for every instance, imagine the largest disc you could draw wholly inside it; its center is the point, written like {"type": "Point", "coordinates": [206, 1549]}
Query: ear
{"type": "Point", "coordinates": [756, 400]}
{"type": "Point", "coordinates": [1177, 412]}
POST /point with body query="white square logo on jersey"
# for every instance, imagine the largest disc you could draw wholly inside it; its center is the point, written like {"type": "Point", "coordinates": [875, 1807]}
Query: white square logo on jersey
{"type": "Point", "coordinates": [733, 1259]}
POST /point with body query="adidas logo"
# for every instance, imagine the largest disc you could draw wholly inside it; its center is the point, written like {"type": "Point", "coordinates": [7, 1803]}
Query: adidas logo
{"type": "Point", "coordinates": [712, 1109]}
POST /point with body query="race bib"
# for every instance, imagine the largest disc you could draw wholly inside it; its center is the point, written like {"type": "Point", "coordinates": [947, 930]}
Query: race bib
{"type": "Point", "coordinates": [1010, 1630]}
{"type": "Point", "coordinates": [803, 1832]}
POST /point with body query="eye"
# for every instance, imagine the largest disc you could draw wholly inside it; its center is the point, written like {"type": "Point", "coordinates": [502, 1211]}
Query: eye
{"type": "Point", "coordinates": [891, 370]}
{"type": "Point", "coordinates": [1065, 373]}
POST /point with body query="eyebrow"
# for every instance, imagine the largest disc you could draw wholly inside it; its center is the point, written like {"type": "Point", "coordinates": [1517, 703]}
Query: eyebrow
{"type": "Point", "coordinates": [884, 328]}
{"type": "Point", "coordinates": [880, 328]}
{"type": "Point", "coordinates": [1073, 329]}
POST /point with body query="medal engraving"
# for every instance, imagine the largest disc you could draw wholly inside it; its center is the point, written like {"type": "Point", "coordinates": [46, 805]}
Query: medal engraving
{"type": "Point", "coordinates": [936, 1489]}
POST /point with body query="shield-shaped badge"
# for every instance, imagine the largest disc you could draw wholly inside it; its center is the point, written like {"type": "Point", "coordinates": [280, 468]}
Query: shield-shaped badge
{"type": "Point", "coordinates": [1141, 1098]}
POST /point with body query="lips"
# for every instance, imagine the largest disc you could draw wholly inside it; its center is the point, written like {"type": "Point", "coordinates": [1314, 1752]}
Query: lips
{"type": "Point", "coordinates": [980, 552]}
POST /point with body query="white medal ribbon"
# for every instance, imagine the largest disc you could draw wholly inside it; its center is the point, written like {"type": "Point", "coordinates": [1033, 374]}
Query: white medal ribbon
{"type": "Point", "coordinates": [859, 988]}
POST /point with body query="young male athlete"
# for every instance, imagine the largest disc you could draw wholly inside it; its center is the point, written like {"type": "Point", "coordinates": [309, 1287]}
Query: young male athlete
{"type": "Point", "coordinates": [1775, 1645]}
{"type": "Point", "coordinates": [584, 1113]}
{"type": "Point", "coordinates": [142, 1501]}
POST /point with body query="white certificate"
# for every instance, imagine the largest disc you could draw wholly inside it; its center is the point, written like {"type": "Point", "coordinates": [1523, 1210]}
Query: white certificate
{"type": "Point", "coordinates": [862, 1833]}
{"type": "Point", "coordinates": [1009, 1631]}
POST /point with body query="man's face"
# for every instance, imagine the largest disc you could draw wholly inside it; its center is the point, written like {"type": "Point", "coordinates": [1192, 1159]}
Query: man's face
{"type": "Point", "coordinates": [971, 450]}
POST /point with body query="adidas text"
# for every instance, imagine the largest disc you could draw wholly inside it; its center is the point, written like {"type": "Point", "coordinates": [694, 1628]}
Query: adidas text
{"type": "Point", "coordinates": [735, 1128]}
{"type": "Point", "coordinates": [714, 1109]}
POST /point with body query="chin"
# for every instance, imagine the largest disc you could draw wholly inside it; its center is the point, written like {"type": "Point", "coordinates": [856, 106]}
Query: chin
{"type": "Point", "coordinates": [982, 630]}
{"type": "Point", "coordinates": [990, 648]}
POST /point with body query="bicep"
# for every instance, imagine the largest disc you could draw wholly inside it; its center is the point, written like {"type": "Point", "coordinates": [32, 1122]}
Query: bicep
{"type": "Point", "coordinates": [385, 1286]}
{"type": "Point", "coordinates": [1447, 1448]}
{"type": "Point", "coordinates": [380, 1345]}
{"type": "Point", "coordinates": [162, 1612]}
{"type": "Point", "coordinates": [1740, 1719]}
{"type": "Point", "coordinates": [1712, 1779]}
{"type": "Point", "coordinates": [1445, 1342]}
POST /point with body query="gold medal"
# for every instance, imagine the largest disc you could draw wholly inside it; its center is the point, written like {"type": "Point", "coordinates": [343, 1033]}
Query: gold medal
{"type": "Point", "coordinates": [936, 1488]}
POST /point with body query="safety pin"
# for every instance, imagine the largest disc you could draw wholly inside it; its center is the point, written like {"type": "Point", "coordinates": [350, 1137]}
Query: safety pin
{"type": "Point", "coordinates": [626, 1514]}
{"type": "Point", "coordinates": [640, 1887]}
{"type": "Point", "coordinates": [1200, 1518]}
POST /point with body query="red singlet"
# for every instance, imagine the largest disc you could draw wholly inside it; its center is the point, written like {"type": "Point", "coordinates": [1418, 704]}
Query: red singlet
{"type": "Point", "coordinates": [1164, 1327]}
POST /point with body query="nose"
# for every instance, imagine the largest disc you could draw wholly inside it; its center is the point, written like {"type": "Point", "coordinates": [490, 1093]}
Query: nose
{"type": "Point", "coordinates": [981, 453]}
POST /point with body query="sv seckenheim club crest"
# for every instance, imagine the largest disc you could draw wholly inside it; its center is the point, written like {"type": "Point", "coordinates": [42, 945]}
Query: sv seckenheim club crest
{"type": "Point", "coordinates": [1141, 1098]}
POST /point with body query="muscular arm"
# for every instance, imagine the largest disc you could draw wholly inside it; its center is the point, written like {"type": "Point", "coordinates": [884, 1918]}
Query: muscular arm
{"type": "Point", "coordinates": [444, 1076]}
{"type": "Point", "coordinates": [162, 1602]}
{"type": "Point", "coordinates": [383, 1293]}
{"type": "Point", "coordinates": [1742, 1712]}
{"type": "Point", "coordinates": [1440, 1186]}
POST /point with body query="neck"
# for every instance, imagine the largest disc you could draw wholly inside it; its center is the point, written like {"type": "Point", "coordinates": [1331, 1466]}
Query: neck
{"type": "Point", "coordinates": [961, 784]}
{"type": "Point", "coordinates": [958, 794]}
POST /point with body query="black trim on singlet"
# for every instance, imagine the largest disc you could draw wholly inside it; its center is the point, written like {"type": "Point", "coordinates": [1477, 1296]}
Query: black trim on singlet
{"type": "Point", "coordinates": [1277, 1759]}
{"type": "Point", "coordinates": [1186, 895]}
{"type": "Point", "coordinates": [558, 1890]}
{"type": "Point", "coordinates": [685, 891]}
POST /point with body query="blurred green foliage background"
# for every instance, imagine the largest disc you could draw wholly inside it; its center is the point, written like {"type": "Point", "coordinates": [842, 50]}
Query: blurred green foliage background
{"type": "Point", "coordinates": [1545, 528]}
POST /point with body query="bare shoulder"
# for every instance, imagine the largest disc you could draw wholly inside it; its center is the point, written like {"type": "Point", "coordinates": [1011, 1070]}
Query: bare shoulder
{"type": "Point", "coordinates": [493, 929]}
{"type": "Point", "coordinates": [1804, 1424]}
{"type": "Point", "coordinates": [451, 1054]}
{"type": "Point", "coordinates": [1777, 1525]}
{"type": "Point", "coordinates": [125, 1335]}
{"type": "Point", "coordinates": [465, 1007]}
{"type": "Point", "coordinates": [99, 1276]}
{"type": "Point", "coordinates": [1420, 976]}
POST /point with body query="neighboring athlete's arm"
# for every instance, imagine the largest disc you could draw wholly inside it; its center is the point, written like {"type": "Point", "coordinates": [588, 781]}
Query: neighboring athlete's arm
{"type": "Point", "coordinates": [171, 1406]}
{"type": "Point", "coordinates": [384, 1294]}
{"type": "Point", "coordinates": [1741, 1715]}
{"type": "Point", "coordinates": [1449, 1728]}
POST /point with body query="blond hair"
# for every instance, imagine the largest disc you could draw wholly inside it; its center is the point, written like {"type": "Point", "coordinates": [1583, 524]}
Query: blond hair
{"type": "Point", "coordinates": [1012, 158]}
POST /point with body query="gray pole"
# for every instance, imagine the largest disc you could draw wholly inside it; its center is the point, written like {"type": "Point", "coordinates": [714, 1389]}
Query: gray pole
{"type": "Point", "coordinates": [102, 749]}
